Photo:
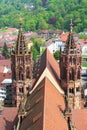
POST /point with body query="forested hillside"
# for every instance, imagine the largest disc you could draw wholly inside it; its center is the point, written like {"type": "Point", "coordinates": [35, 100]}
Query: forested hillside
{"type": "Point", "coordinates": [44, 14]}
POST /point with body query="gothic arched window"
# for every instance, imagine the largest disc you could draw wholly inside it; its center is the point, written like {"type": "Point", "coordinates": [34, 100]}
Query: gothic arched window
{"type": "Point", "coordinates": [71, 90]}
{"type": "Point", "coordinates": [78, 74]}
{"type": "Point", "coordinates": [21, 77]}
{"type": "Point", "coordinates": [71, 74]}
{"type": "Point", "coordinates": [72, 60]}
{"type": "Point", "coordinates": [28, 73]}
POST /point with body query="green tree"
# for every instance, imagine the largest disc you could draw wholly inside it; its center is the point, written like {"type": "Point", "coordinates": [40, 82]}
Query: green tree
{"type": "Point", "coordinates": [37, 42]}
{"type": "Point", "coordinates": [5, 51]}
{"type": "Point", "coordinates": [83, 36]}
{"type": "Point", "coordinates": [57, 55]}
{"type": "Point", "coordinates": [55, 14]}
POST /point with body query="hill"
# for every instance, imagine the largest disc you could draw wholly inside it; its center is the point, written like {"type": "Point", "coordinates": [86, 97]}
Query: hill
{"type": "Point", "coordinates": [44, 14]}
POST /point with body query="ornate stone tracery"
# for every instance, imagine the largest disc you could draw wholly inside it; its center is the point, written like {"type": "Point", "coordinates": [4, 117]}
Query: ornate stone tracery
{"type": "Point", "coordinates": [21, 59]}
{"type": "Point", "coordinates": [70, 68]}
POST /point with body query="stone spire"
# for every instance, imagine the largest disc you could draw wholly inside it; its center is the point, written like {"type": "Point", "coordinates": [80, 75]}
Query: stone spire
{"type": "Point", "coordinates": [70, 44]}
{"type": "Point", "coordinates": [22, 68]}
{"type": "Point", "coordinates": [70, 73]}
{"type": "Point", "coordinates": [21, 45]}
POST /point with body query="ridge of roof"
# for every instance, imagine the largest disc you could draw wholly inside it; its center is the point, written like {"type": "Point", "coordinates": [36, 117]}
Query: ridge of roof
{"type": "Point", "coordinates": [51, 77]}
{"type": "Point", "coordinates": [46, 61]}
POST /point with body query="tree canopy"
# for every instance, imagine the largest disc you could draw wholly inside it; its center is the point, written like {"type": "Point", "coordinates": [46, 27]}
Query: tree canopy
{"type": "Point", "coordinates": [5, 51]}
{"type": "Point", "coordinates": [57, 55]}
{"type": "Point", "coordinates": [44, 14]}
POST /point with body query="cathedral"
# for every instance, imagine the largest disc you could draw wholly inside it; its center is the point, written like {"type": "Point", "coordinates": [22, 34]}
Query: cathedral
{"type": "Point", "coordinates": [48, 94]}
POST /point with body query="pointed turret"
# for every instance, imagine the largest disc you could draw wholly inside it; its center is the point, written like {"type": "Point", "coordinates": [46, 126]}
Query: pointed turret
{"type": "Point", "coordinates": [22, 67]}
{"type": "Point", "coordinates": [70, 72]}
{"type": "Point", "coordinates": [21, 45]}
{"type": "Point", "coordinates": [70, 44]}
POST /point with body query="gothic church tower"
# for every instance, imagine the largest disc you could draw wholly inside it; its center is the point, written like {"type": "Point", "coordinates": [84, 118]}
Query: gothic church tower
{"type": "Point", "coordinates": [70, 72]}
{"type": "Point", "coordinates": [21, 65]}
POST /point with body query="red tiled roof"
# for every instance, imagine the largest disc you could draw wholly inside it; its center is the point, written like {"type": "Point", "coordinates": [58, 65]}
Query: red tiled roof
{"type": "Point", "coordinates": [5, 63]}
{"type": "Point", "coordinates": [34, 107]}
{"type": "Point", "coordinates": [1, 44]}
{"type": "Point", "coordinates": [2, 57]}
{"type": "Point", "coordinates": [78, 46]}
{"type": "Point", "coordinates": [63, 37]}
{"type": "Point", "coordinates": [83, 40]}
{"type": "Point", "coordinates": [53, 117]}
{"type": "Point", "coordinates": [4, 76]}
{"type": "Point", "coordinates": [47, 60]}
{"type": "Point", "coordinates": [1, 69]}
{"type": "Point", "coordinates": [52, 65]}
{"type": "Point", "coordinates": [51, 31]}
{"type": "Point", "coordinates": [43, 109]}
{"type": "Point", "coordinates": [10, 45]}
{"type": "Point", "coordinates": [79, 119]}
{"type": "Point", "coordinates": [7, 118]}
{"type": "Point", "coordinates": [12, 29]}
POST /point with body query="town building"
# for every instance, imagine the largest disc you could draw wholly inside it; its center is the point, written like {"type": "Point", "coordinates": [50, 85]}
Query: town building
{"type": "Point", "coordinates": [53, 45]}
{"type": "Point", "coordinates": [7, 86]}
{"type": "Point", "coordinates": [47, 34]}
{"type": "Point", "coordinates": [5, 73]}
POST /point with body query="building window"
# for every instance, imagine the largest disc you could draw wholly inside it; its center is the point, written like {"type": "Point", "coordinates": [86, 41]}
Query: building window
{"type": "Point", "coordinates": [64, 72]}
{"type": "Point", "coordinates": [21, 76]}
{"type": "Point", "coordinates": [71, 74]}
{"type": "Point", "coordinates": [28, 73]}
{"type": "Point", "coordinates": [21, 90]}
{"type": "Point", "coordinates": [71, 90]}
{"type": "Point", "coordinates": [77, 89]}
{"type": "Point", "coordinates": [78, 75]}
{"type": "Point", "coordinates": [72, 60]}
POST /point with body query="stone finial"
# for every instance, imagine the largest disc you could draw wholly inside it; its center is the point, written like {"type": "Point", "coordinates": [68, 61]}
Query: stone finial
{"type": "Point", "coordinates": [71, 26]}
{"type": "Point", "coordinates": [21, 21]}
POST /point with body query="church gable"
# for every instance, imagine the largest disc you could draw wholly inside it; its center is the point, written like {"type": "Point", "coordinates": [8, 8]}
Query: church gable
{"type": "Point", "coordinates": [48, 68]}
